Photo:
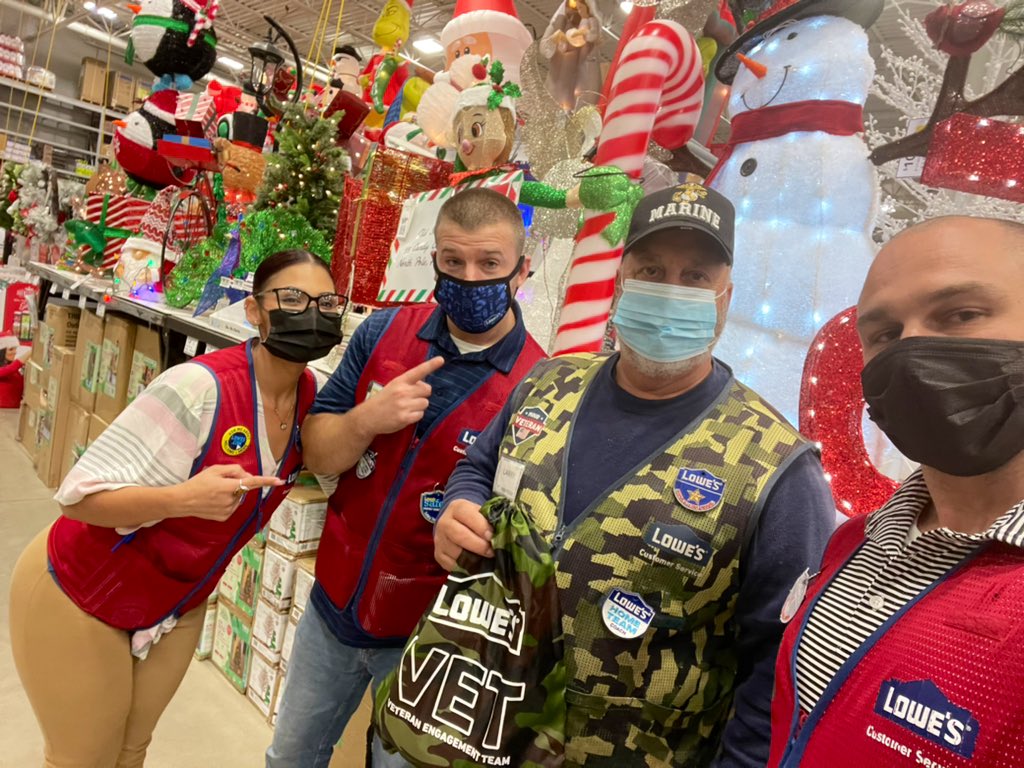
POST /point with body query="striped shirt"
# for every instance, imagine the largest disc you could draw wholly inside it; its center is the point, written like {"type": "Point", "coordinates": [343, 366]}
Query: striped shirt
{"type": "Point", "coordinates": [156, 439]}
{"type": "Point", "coordinates": [892, 568]}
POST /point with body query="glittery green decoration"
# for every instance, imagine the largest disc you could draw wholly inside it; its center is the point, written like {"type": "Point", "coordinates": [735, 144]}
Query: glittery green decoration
{"type": "Point", "coordinates": [141, 191]}
{"type": "Point", "coordinates": [184, 285]}
{"type": "Point", "coordinates": [606, 188]}
{"type": "Point", "coordinates": [278, 229]}
{"type": "Point", "coordinates": [543, 195]}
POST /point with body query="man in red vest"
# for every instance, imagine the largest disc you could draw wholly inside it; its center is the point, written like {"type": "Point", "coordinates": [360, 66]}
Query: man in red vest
{"type": "Point", "coordinates": [415, 388]}
{"type": "Point", "coordinates": [908, 647]}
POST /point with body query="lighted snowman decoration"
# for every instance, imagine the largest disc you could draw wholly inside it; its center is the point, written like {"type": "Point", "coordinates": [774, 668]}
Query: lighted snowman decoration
{"type": "Point", "coordinates": [797, 170]}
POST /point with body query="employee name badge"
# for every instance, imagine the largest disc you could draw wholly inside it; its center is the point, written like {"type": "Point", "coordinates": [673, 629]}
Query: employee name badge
{"type": "Point", "coordinates": [796, 595]}
{"type": "Point", "coordinates": [508, 477]}
{"type": "Point", "coordinates": [626, 615]}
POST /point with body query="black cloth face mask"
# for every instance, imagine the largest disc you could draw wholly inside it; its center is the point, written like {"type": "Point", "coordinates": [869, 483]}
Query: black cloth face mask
{"type": "Point", "coordinates": [302, 337]}
{"type": "Point", "coordinates": [954, 404]}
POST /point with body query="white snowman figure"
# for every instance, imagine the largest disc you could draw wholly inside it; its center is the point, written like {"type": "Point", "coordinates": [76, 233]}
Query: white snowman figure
{"type": "Point", "coordinates": [797, 170]}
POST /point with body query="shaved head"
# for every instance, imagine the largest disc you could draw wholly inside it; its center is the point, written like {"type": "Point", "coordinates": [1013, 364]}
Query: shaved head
{"type": "Point", "coordinates": [952, 276]}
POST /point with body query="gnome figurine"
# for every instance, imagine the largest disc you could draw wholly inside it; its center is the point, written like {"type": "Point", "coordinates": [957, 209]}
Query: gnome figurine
{"type": "Point", "coordinates": [139, 267]}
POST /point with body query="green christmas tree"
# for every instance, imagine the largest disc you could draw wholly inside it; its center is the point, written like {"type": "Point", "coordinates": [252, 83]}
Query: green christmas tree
{"type": "Point", "coordinates": [307, 174]}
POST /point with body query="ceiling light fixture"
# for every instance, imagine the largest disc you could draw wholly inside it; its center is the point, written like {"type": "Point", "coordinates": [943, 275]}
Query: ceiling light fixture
{"type": "Point", "coordinates": [89, 5]}
{"type": "Point", "coordinates": [427, 45]}
{"type": "Point", "coordinates": [626, 6]}
{"type": "Point", "coordinates": [233, 64]}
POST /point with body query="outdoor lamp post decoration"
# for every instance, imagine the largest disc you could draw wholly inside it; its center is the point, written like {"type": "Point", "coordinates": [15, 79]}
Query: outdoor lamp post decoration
{"type": "Point", "coordinates": [266, 69]}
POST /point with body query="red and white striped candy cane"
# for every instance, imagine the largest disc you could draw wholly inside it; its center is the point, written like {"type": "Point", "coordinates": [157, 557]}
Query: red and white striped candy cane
{"type": "Point", "coordinates": [657, 92]}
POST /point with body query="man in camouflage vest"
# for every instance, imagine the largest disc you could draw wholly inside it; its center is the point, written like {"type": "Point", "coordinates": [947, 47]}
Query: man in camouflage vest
{"type": "Point", "coordinates": [681, 508]}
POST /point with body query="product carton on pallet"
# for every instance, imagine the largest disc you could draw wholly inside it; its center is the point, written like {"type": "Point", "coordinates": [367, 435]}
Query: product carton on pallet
{"type": "Point", "coordinates": [278, 581]}
{"type": "Point", "coordinates": [268, 626]}
{"type": "Point", "coordinates": [60, 329]}
{"type": "Point", "coordinates": [289, 640]}
{"type": "Point", "coordinates": [205, 646]}
{"type": "Point", "coordinates": [240, 584]}
{"type": "Point", "coordinates": [53, 415]}
{"type": "Point", "coordinates": [264, 681]}
{"type": "Point", "coordinates": [232, 645]}
{"type": "Point", "coordinates": [88, 350]}
{"type": "Point", "coordinates": [305, 577]}
{"type": "Point", "coordinates": [115, 365]}
{"type": "Point", "coordinates": [297, 524]}
{"type": "Point", "coordinates": [76, 438]}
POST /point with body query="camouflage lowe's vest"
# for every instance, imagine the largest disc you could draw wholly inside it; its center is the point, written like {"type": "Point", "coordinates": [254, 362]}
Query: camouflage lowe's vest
{"type": "Point", "coordinates": [648, 574]}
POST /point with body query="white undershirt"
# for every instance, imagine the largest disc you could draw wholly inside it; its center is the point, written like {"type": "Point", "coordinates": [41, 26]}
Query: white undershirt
{"type": "Point", "coordinates": [467, 348]}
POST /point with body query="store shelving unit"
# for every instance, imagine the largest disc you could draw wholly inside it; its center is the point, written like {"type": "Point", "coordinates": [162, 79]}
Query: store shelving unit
{"type": "Point", "coordinates": [80, 125]}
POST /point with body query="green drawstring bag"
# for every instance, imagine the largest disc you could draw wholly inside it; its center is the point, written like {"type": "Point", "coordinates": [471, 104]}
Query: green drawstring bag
{"type": "Point", "coordinates": [482, 679]}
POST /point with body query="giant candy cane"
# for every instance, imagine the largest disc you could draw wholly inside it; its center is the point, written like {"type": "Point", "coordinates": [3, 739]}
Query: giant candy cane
{"type": "Point", "coordinates": [657, 93]}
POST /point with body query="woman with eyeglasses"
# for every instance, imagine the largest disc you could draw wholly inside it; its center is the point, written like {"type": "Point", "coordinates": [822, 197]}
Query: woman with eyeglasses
{"type": "Point", "coordinates": [107, 604]}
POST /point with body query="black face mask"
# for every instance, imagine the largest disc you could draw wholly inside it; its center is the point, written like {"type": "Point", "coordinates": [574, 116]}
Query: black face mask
{"type": "Point", "coordinates": [953, 404]}
{"type": "Point", "coordinates": [302, 337]}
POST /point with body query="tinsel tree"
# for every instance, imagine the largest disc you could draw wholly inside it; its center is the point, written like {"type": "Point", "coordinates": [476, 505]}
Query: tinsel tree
{"type": "Point", "coordinates": [269, 231]}
{"type": "Point", "coordinates": [307, 173]}
{"type": "Point", "coordinates": [912, 86]}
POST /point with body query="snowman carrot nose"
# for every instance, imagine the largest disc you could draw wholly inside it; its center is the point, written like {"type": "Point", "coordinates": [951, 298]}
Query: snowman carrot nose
{"type": "Point", "coordinates": [119, 123]}
{"type": "Point", "coordinates": [756, 68]}
{"type": "Point", "coordinates": [134, 8]}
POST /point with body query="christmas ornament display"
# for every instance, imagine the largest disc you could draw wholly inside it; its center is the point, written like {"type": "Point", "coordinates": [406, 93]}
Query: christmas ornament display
{"type": "Point", "coordinates": [657, 93]}
{"type": "Point", "coordinates": [139, 265]}
{"type": "Point", "coordinates": [957, 138]}
{"type": "Point", "coordinates": [174, 39]}
{"type": "Point", "coordinates": [570, 46]}
{"type": "Point", "coordinates": [831, 414]}
{"type": "Point", "coordinates": [186, 281]}
{"type": "Point", "coordinates": [109, 221]}
{"type": "Point", "coordinates": [796, 169]}
{"type": "Point", "coordinates": [136, 140]}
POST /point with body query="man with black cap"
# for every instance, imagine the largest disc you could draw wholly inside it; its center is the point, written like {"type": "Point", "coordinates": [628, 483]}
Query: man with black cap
{"type": "Point", "coordinates": [681, 505]}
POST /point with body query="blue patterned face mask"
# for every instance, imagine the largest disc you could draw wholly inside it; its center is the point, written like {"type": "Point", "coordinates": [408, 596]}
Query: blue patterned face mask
{"type": "Point", "coordinates": [666, 323]}
{"type": "Point", "coordinates": [475, 306]}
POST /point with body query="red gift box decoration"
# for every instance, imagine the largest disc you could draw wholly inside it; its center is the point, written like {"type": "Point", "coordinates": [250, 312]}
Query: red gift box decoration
{"type": "Point", "coordinates": [368, 218]}
{"type": "Point", "coordinates": [188, 152]}
{"type": "Point", "coordinates": [123, 212]}
{"type": "Point", "coordinates": [977, 155]}
{"type": "Point", "coordinates": [355, 110]}
{"type": "Point", "coordinates": [196, 115]}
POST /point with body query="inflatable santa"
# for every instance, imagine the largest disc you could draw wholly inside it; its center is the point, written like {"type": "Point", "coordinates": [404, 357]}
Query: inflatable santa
{"type": "Point", "coordinates": [488, 28]}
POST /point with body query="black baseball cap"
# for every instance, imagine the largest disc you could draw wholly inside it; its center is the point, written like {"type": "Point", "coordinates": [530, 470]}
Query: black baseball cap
{"type": "Point", "coordinates": [687, 206]}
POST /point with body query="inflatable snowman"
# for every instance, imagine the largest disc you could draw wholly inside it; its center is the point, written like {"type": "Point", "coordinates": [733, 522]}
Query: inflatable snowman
{"type": "Point", "coordinates": [797, 170]}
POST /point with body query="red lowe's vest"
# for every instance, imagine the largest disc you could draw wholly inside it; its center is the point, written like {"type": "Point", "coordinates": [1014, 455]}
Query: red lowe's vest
{"type": "Point", "coordinates": [938, 685]}
{"type": "Point", "coordinates": [133, 582]}
{"type": "Point", "coordinates": [377, 550]}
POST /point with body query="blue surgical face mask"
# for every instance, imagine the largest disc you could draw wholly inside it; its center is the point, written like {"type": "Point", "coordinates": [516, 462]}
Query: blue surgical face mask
{"type": "Point", "coordinates": [475, 306]}
{"type": "Point", "coordinates": [666, 323]}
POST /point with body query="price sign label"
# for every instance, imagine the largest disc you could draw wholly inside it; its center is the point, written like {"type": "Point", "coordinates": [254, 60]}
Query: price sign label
{"type": "Point", "coordinates": [65, 294]}
{"type": "Point", "coordinates": [191, 346]}
{"type": "Point", "coordinates": [81, 302]}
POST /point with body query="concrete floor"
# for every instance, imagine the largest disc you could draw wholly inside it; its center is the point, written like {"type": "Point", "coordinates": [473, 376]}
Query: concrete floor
{"type": "Point", "coordinates": [207, 725]}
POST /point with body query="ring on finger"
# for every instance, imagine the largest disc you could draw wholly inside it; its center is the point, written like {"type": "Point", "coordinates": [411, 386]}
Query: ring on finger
{"type": "Point", "coordinates": [242, 489]}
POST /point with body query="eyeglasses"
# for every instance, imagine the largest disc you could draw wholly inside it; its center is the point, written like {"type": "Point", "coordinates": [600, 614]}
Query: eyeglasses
{"type": "Point", "coordinates": [295, 301]}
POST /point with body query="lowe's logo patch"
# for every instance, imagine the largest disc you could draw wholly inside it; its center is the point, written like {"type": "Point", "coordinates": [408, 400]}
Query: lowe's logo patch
{"type": "Point", "coordinates": [680, 540]}
{"type": "Point", "coordinates": [698, 490]}
{"type": "Point", "coordinates": [466, 438]}
{"type": "Point", "coordinates": [920, 707]}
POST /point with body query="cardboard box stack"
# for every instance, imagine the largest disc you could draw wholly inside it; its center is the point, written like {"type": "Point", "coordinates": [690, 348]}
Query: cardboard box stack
{"type": "Point", "coordinates": [92, 81]}
{"type": "Point", "coordinates": [82, 371]}
{"type": "Point", "coordinates": [263, 594]}
{"type": "Point", "coordinates": [47, 404]}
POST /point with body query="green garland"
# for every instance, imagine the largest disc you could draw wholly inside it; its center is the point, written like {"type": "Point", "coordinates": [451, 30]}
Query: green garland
{"type": "Point", "coordinates": [278, 229]}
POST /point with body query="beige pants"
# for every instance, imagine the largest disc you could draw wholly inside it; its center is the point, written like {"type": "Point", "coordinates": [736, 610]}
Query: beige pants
{"type": "Point", "coordinates": [96, 704]}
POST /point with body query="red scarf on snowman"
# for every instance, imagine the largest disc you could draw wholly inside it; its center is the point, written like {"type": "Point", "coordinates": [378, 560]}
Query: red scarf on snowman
{"type": "Point", "coordinates": [839, 118]}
